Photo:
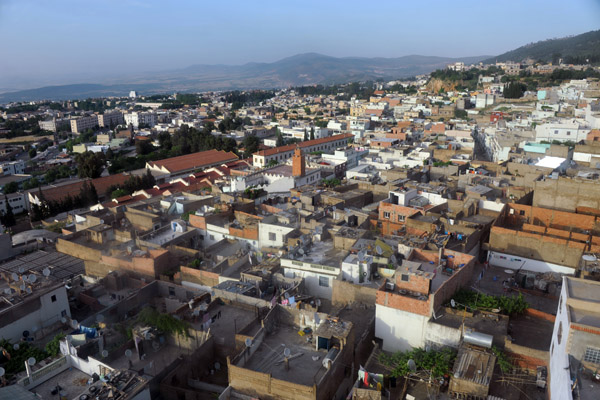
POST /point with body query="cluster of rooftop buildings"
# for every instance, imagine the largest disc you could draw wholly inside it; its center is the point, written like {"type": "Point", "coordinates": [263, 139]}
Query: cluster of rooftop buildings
{"type": "Point", "coordinates": [295, 271]}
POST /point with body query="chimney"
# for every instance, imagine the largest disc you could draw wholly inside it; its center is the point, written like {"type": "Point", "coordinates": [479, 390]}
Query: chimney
{"type": "Point", "coordinates": [298, 163]}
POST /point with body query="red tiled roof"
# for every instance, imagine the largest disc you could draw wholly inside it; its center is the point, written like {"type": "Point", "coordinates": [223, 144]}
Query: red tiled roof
{"type": "Point", "coordinates": [194, 160]}
{"type": "Point", "coordinates": [292, 147]}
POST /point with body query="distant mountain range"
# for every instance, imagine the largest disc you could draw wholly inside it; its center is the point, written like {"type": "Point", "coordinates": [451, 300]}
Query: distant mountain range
{"type": "Point", "coordinates": [301, 69]}
{"type": "Point", "coordinates": [571, 49]}
{"type": "Point", "coordinates": [304, 69]}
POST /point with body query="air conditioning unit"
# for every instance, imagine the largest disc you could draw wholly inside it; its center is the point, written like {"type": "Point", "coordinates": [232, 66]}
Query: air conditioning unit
{"type": "Point", "coordinates": [390, 286]}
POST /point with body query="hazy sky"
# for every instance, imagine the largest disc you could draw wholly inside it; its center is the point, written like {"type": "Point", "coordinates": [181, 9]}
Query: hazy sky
{"type": "Point", "coordinates": [62, 41]}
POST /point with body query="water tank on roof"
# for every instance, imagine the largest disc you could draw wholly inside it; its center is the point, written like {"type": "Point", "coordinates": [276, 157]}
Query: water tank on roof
{"type": "Point", "coordinates": [478, 339]}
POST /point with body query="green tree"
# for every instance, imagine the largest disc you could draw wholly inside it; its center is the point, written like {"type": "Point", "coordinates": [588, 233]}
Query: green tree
{"type": "Point", "coordinates": [305, 135]}
{"type": "Point", "coordinates": [8, 218]}
{"type": "Point", "coordinates": [513, 90]}
{"type": "Point", "coordinates": [32, 153]}
{"type": "Point", "coordinates": [11, 187]}
{"type": "Point", "coordinates": [89, 164]}
{"type": "Point", "coordinates": [279, 139]}
{"type": "Point", "coordinates": [312, 133]}
{"type": "Point", "coordinates": [251, 145]}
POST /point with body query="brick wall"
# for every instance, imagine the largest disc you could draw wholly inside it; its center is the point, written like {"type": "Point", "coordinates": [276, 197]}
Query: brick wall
{"type": "Point", "coordinates": [67, 246]}
{"type": "Point", "coordinates": [404, 303]}
{"type": "Point", "coordinates": [198, 276]}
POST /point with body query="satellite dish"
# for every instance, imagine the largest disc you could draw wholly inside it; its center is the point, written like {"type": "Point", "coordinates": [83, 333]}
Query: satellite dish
{"type": "Point", "coordinates": [63, 320]}
{"type": "Point", "coordinates": [379, 249]}
{"type": "Point", "coordinates": [411, 365]}
{"type": "Point", "coordinates": [361, 255]}
{"type": "Point", "coordinates": [28, 290]}
{"type": "Point", "coordinates": [104, 353]}
{"type": "Point", "coordinates": [452, 303]}
{"type": "Point", "coordinates": [14, 276]}
{"type": "Point", "coordinates": [589, 257]}
{"type": "Point", "coordinates": [22, 287]}
{"type": "Point", "coordinates": [31, 361]}
{"type": "Point", "coordinates": [16, 346]}
{"type": "Point", "coordinates": [2, 371]}
{"type": "Point", "coordinates": [46, 272]}
{"type": "Point", "coordinates": [286, 295]}
{"type": "Point", "coordinates": [301, 252]}
{"type": "Point", "coordinates": [191, 304]}
{"type": "Point", "coordinates": [394, 259]}
{"type": "Point", "coordinates": [217, 366]}
{"type": "Point", "coordinates": [21, 270]}
{"type": "Point", "coordinates": [32, 278]}
{"type": "Point", "coordinates": [75, 324]}
{"type": "Point", "coordinates": [248, 342]}
{"type": "Point", "coordinates": [7, 291]}
{"type": "Point", "coordinates": [99, 318]}
{"type": "Point", "coordinates": [286, 352]}
{"type": "Point", "coordinates": [128, 353]}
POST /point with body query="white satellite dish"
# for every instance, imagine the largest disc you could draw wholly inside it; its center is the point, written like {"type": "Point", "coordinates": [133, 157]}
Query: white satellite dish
{"type": "Point", "coordinates": [2, 371]}
{"type": "Point", "coordinates": [301, 252]}
{"type": "Point", "coordinates": [32, 278]}
{"type": "Point", "coordinates": [361, 255]}
{"type": "Point", "coordinates": [21, 270]}
{"type": "Point", "coordinates": [379, 250]}
{"type": "Point", "coordinates": [7, 291]}
{"type": "Point", "coordinates": [248, 342]}
{"type": "Point", "coordinates": [286, 295]}
{"type": "Point", "coordinates": [104, 353]}
{"type": "Point", "coordinates": [16, 346]}
{"type": "Point", "coordinates": [63, 320]}
{"type": "Point", "coordinates": [128, 353]}
{"type": "Point", "coordinates": [99, 318]}
{"type": "Point", "coordinates": [452, 303]}
{"type": "Point", "coordinates": [22, 287]}
{"type": "Point", "coordinates": [75, 324]}
{"type": "Point", "coordinates": [14, 276]}
{"type": "Point", "coordinates": [46, 272]}
{"type": "Point", "coordinates": [589, 257]}
{"type": "Point", "coordinates": [31, 361]}
{"type": "Point", "coordinates": [411, 365]}
{"type": "Point", "coordinates": [28, 290]}
{"type": "Point", "coordinates": [286, 352]}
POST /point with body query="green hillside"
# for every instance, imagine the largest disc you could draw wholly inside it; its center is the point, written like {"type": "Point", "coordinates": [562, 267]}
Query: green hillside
{"type": "Point", "coordinates": [573, 50]}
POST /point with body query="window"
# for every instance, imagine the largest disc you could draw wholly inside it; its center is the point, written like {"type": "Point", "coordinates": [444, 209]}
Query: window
{"type": "Point", "coordinates": [405, 277]}
{"type": "Point", "coordinates": [401, 218]}
{"type": "Point", "coordinates": [272, 237]}
{"type": "Point", "coordinates": [63, 313]}
{"type": "Point", "coordinates": [556, 132]}
{"type": "Point", "coordinates": [324, 281]}
{"type": "Point", "coordinates": [212, 237]}
{"type": "Point", "coordinates": [521, 212]}
{"type": "Point", "coordinates": [568, 133]}
{"type": "Point", "coordinates": [559, 334]}
{"type": "Point", "coordinates": [386, 214]}
{"type": "Point", "coordinates": [171, 291]}
{"type": "Point", "coordinates": [592, 355]}
{"type": "Point", "coordinates": [53, 298]}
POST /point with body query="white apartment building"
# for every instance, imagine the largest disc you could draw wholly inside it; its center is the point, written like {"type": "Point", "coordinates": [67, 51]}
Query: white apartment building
{"type": "Point", "coordinates": [18, 202]}
{"type": "Point", "coordinates": [82, 124]}
{"type": "Point", "coordinates": [12, 167]}
{"type": "Point", "coordinates": [138, 118]}
{"type": "Point", "coordinates": [113, 118]}
{"type": "Point", "coordinates": [562, 131]}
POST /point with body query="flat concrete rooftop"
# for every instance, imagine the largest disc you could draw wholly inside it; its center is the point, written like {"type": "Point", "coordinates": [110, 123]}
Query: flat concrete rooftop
{"type": "Point", "coordinates": [268, 358]}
